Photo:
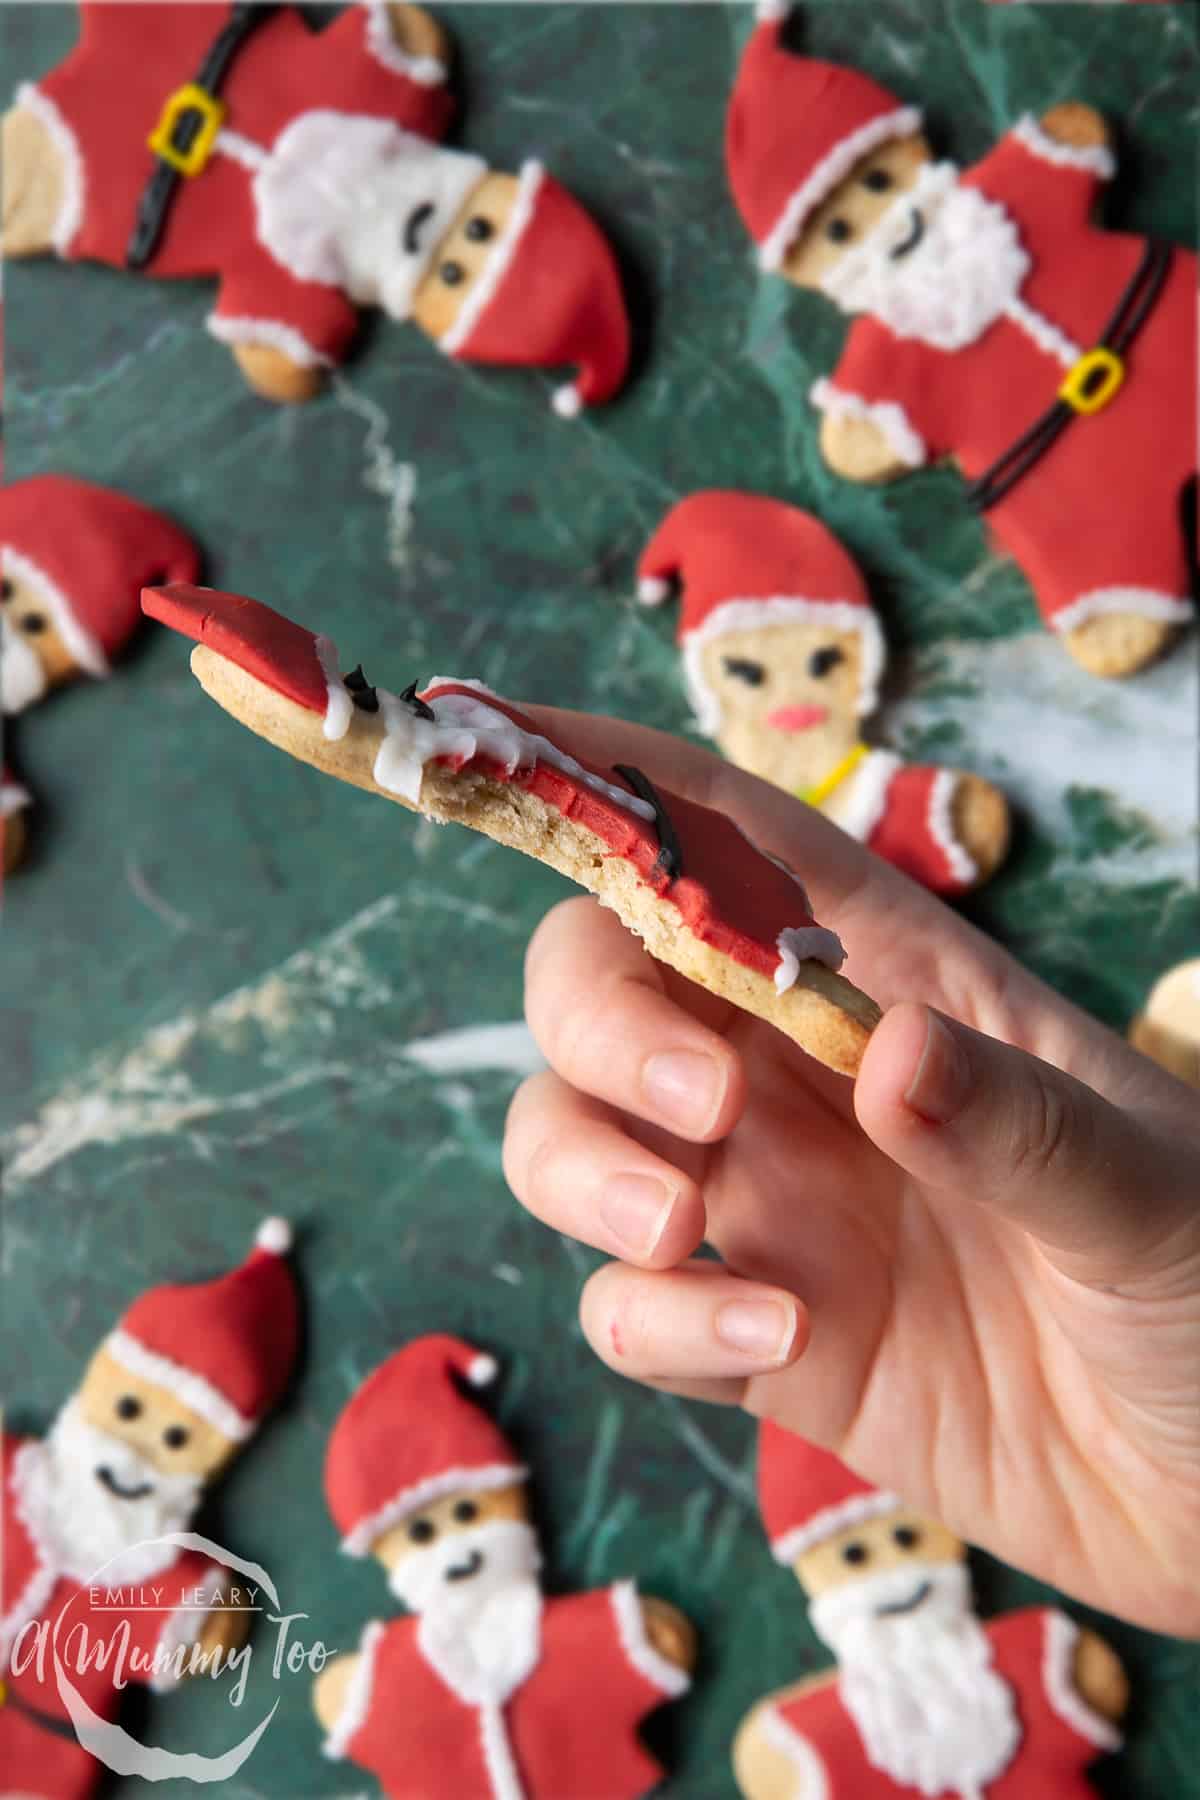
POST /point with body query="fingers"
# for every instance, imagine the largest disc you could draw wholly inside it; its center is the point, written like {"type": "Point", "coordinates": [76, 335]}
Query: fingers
{"type": "Point", "coordinates": [571, 1165]}
{"type": "Point", "coordinates": [599, 1010]}
{"type": "Point", "coordinates": [997, 1126]}
{"type": "Point", "coordinates": [695, 1324]}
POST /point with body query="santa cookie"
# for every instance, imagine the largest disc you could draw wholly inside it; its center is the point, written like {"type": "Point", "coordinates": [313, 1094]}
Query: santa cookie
{"type": "Point", "coordinates": [173, 1392]}
{"type": "Point", "coordinates": [926, 1699]}
{"type": "Point", "coordinates": [491, 1690]}
{"type": "Point", "coordinates": [303, 169]}
{"type": "Point", "coordinates": [73, 561]}
{"type": "Point", "coordinates": [14, 801]}
{"type": "Point", "coordinates": [993, 323]}
{"type": "Point", "coordinates": [681, 876]}
{"type": "Point", "coordinates": [1168, 1031]}
{"type": "Point", "coordinates": [783, 654]}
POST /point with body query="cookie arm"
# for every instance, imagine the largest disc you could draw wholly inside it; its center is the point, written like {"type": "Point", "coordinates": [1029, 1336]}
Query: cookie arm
{"type": "Point", "coordinates": [284, 333]}
{"type": "Point", "coordinates": [1066, 152]}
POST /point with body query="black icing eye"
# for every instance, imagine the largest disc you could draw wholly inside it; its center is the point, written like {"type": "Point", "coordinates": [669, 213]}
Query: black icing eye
{"type": "Point", "coordinates": [32, 624]}
{"type": "Point", "coordinates": [361, 691]}
{"type": "Point", "coordinates": [752, 673]}
{"type": "Point", "coordinates": [422, 1531]}
{"type": "Point", "coordinates": [906, 1537]}
{"type": "Point", "coordinates": [452, 273]}
{"type": "Point", "coordinates": [822, 662]}
{"type": "Point", "coordinates": [478, 230]}
{"type": "Point", "coordinates": [855, 1553]}
{"type": "Point", "coordinates": [465, 1511]}
{"type": "Point", "coordinates": [878, 180]}
{"type": "Point", "coordinates": [839, 231]}
{"type": "Point", "coordinates": [175, 1437]}
{"type": "Point", "coordinates": [128, 1406]}
{"type": "Point", "coordinates": [6, 589]}
{"type": "Point", "coordinates": [416, 219]}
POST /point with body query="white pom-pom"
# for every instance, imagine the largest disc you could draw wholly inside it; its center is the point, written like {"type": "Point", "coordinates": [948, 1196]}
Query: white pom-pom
{"type": "Point", "coordinates": [274, 1235]}
{"type": "Point", "coordinates": [652, 590]}
{"type": "Point", "coordinates": [567, 401]}
{"type": "Point", "coordinates": [482, 1370]}
{"type": "Point", "coordinates": [767, 11]}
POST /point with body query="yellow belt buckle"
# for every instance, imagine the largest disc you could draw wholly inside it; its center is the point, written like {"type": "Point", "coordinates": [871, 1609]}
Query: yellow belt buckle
{"type": "Point", "coordinates": [1093, 381]}
{"type": "Point", "coordinates": [194, 159]}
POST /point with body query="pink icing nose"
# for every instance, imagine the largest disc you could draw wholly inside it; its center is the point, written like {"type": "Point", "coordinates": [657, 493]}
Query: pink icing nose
{"type": "Point", "coordinates": [797, 718]}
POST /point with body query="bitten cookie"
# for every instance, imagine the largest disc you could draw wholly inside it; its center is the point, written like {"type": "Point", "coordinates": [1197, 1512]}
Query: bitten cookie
{"type": "Point", "coordinates": [994, 323]}
{"type": "Point", "coordinates": [1168, 1031]}
{"type": "Point", "coordinates": [304, 170]}
{"type": "Point", "coordinates": [682, 877]}
{"type": "Point", "coordinates": [783, 654]}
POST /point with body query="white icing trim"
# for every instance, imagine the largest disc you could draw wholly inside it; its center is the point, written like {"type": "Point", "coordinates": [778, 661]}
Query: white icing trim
{"type": "Point", "coordinates": [482, 1370]}
{"type": "Point", "coordinates": [887, 415]}
{"type": "Point", "coordinates": [181, 1629]}
{"type": "Point", "coordinates": [1149, 603]}
{"type": "Point", "coordinates": [1097, 158]}
{"type": "Point", "coordinates": [274, 1235]}
{"type": "Point", "coordinates": [813, 1782]}
{"type": "Point", "coordinates": [652, 590]}
{"type": "Point", "coordinates": [829, 173]}
{"type": "Point", "coordinates": [84, 648]}
{"type": "Point", "coordinates": [846, 1513]}
{"type": "Point", "coordinates": [426, 71]}
{"type": "Point", "coordinates": [567, 401]}
{"type": "Point", "coordinates": [1043, 331]}
{"type": "Point", "coordinates": [485, 288]}
{"type": "Point", "coordinates": [189, 1388]}
{"type": "Point", "coordinates": [271, 332]}
{"type": "Point", "coordinates": [650, 1663]}
{"type": "Point", "coordinates": [70, 212]}
{"type": "Point", "coordinates": [781, 609]}
{"type": "Point", "coordinates": [339, 707]}
{"type": "Point", "coordinates": [805, 943]}
{"type": "Point", "coordinates": [356, 1702]}
{"type": "Point", "coordinates": [1058, 1679]}
{"type": "Point", "coordinates": [767, 12]}
{"type": "Point", "coordinates": [940, 820]}
{"type": "Point", "coordinates": [359, 1539]}
{"type": "Point", "coordinates": [241, 149]}
{"type": "Point", "coordinates": [498, 1758]}
{"type": "Point", "coordinates": [34, 1597]}
{"type": "Point", "coordinates": [13, 798]}
{"type": "Point", "coordinates": [863, 798]}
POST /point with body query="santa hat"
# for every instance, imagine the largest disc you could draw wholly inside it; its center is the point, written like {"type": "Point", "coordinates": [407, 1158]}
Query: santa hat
{"type": "Point", "coordinates": [88, 552]}
{"type": "Point", "coordinates": [795, 129]}
{"type": "Point", "coordinates": [409, 1436]}
{"type": "Point", "coordinates": [549, 293]}
{"type": "Point", "coordinates": [745, 562]}
{"type": "Point", "coordinates": [223, 1348]}
{"type": "Point", "coordinates": [806, 1494]}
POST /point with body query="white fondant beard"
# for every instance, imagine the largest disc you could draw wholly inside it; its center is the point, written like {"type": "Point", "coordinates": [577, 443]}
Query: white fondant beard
{"type": "Point", "coordinates": [337, 193]}
{"type": "Point", "coordinates": [482, 1632]}
{"type": "Point", "coordinates": [967, 268]}
{"type": "Point", "coordinates": [22, 677]}
{"type": "Point", "coordinates": [930, 1709]}
{"type": "Point", "coordinates": [88, 1529]}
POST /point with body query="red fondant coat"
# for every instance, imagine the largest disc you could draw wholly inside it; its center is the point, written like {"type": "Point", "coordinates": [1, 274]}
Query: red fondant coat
{"type": "Point", "coordinates": [47, 1761]}
{"type": "Point", "coordinates": [1061, 1735]}
{"type": "Point", "coordinates": [108, 95]}
{"type": "Point", "coordinates": [1099, 514]}
{"type": "Point", "coordinates": [569, 1729]}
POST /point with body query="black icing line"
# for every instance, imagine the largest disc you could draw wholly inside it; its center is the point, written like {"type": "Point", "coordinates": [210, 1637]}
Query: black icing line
{"type": "Point", "coordinates": [670, 852]}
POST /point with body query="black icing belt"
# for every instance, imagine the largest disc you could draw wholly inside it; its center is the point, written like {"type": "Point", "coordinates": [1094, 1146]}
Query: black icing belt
{"type": "Point", "coordinates": [158, 193]}
{"type": "Point", "coordinates": [57, 1727]}
{"type": "Point", "coordinates": [670, 852]}
{"type": "Point", "coordinates": [1133, 309]}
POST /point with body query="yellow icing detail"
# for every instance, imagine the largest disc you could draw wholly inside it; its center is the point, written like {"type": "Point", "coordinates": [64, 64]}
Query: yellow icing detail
{"type": "Point", "coordinates": [1093, 381]}
{"type": "Point", "coordinates": [816, 796]}
{"type": "Point", "coordinates": [194, 159]}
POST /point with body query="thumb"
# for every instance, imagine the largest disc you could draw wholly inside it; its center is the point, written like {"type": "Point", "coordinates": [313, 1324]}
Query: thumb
{"type": "Point", "coordinates": [995, 1126]}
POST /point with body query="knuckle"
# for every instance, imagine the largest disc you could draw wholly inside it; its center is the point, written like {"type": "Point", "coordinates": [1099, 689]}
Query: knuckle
{"type": "Point", "coordinates": [1049, 1130]}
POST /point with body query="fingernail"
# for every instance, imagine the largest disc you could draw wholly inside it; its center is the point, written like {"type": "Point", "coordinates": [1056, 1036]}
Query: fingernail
{"type": "Point", "coordinates": [941, 1084]}
{"type": "Point", "coordinates": [762, 1329]}
{"type": "Point", "coordinates": [685, 1088]}
{"type": "Point", "coordinates": [635, 1208]}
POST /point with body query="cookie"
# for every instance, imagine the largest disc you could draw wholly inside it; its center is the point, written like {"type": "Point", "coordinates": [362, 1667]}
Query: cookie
{"type": "Point", "coordinates": [304, 170]}
{"type": "Point", "coordinates": [783, 655]}
{"type": "Point", "coordinates": [702, 898]}
{"type": "Point", "coordinates": [1062, 411]}
{"type": "Point", "coordinates": [1168, 1031]}
{"type": "Point", "coordinates": [14, 802]}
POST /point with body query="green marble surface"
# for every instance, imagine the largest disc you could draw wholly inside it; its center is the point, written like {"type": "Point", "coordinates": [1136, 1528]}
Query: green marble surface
{"type": "Point", "coordinates": [231, 987]}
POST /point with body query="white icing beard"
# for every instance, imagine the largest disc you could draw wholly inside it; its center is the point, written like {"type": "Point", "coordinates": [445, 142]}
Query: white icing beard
{"type": "Point", "coordinates": [932, 1712]}
{"type": "Point", "coordinates": [22, 677]}
{"type": "Point", "coordinates": [89, 1531]}
{"type": "Point", "coordinates": [481, 1633]}
{"type": "Point", "coordinates": [337, 192]}
{"type": "Point", "coordinates": [967, 268]}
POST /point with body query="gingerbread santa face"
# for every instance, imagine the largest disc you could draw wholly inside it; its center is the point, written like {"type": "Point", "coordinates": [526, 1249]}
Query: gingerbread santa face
{"type": "Point", "coordinates": [305, 171]}
{"type": "Point", "coordinates": [783, 655]}
{"type": "Point", "coordinates": [993, 323]}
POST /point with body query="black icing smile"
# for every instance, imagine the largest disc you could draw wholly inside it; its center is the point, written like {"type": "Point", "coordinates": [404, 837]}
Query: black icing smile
{"type": "Point", "coordinates": [417, 219]}
{"type": "Point", "coordinates": [905, 1606]}
{"type": "Point", "coordinates": [464, 1571]}
{"type": "Point", "coordinates": [107, 1479]}
{"type": "Point", "coordinates": [914, 237]}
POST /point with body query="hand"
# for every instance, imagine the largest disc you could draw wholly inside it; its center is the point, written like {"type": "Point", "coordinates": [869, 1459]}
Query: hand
{"type": "Point", "coordinates": [975, 1274]}
{"type": "Point", "coordinates": [1075, 123]}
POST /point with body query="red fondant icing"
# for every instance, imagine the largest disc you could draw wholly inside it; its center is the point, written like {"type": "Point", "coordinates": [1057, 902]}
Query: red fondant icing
{"type": "Point", "coordinates": [268, 646]}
